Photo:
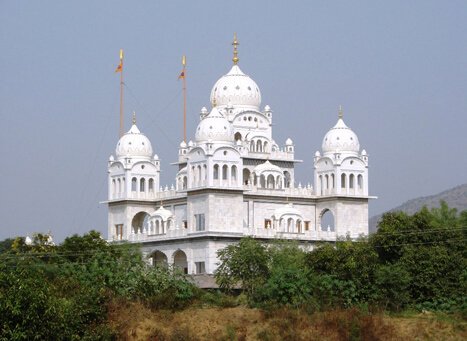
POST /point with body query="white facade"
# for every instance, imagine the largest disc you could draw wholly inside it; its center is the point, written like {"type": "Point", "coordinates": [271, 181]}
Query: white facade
{"type": "Point", "coordinates": [234, 180]}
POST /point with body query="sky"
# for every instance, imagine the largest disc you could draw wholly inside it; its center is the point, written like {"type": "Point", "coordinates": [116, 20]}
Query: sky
{"type": "Point", "coordinates": [398, 68]}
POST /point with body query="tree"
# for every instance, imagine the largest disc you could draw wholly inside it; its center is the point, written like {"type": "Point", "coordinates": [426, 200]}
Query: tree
{"type": "Point", "coordinates": [244, 263]}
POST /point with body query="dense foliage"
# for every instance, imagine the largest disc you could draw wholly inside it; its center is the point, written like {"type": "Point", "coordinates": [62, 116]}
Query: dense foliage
{"type": "Point", "coordinates": [69, 291]}
{"type": "Point", "coordinates": [50, 292]}
{"type": "Point", "coordinates": [416, 261]}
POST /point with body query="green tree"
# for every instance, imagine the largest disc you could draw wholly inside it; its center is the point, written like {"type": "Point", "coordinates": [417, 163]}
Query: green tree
{"type": "Point", "coordinates": [245, 264]}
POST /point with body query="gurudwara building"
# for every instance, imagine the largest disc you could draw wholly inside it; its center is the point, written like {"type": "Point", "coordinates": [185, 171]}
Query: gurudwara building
{"type": "Point", "coordinates": [234, 180]}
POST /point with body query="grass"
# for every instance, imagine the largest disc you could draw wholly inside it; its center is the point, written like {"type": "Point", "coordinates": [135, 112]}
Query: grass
{"type": "Point", "coordinates": [133, 321]}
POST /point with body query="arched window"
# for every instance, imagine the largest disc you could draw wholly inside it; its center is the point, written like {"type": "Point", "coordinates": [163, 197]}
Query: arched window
{"type": "Point", "coordinates": [216, 172]}
{"type": "Point", "coordinates": [321, 184]}
{"type": "Point", "coordinates": [262, 181]}
{"type": "Point", "coordinates": [343, 178]}
{"type": "Point", "coordinates": [327, 221]}
{"type": "Point", "coordinates": [279, 182]}
{"type": "Point", "coordinates": [265, 147]}
{"type": "Point", "coordinates": [351, 181]}
{"type": "Point", "coordinates": [193, 176]}
{"type": "Point", "coordinates": [290, 225]}
{"type": "Point", "coordinates": [198, 175]}
{"type": "Point", "coordinates": [233, 173]}
{"type": "Point", "coordinates": [238, 136]}
{"type": "Point", "coordinates": [287, 179]}
{"type": "Point", "coordinates": [159, 259]}
{"type": "Point", "coordinates": [360, 182]}
{"type": "Point", "coordinates": [157, 226]}
{"type": "Point", "coordinates": [151, 185]}
{"type": "Point", "coordinates": [114, 187]}
{"type": "Point", "coordinates": [142, 184]}
{"type": "Point", "coordinates": [333, 181]}
{"type": "Point", "coordinates": [259, 146]}
{"type": "Point", "coordinates": [133, 184]}
{"type": "Point", "coordinates": [180, 261]}
{"type": "Point", "coordinates": [252, 146]}
{"type": "Point", "coordinates": [326, 180]}
{"type": "Point", "coordinates": [184, 182]}
{"type": "Point", "coordinates": [205, 173]}
{"type": "Point", "coordinates": [270, 182]}
{"type": "Point", "coordinates": [224, 172]}
{"type": "Point", "coordinates": [299, 226]}
{"type": "Point", "coordinates": [246, 176]}
{"type": "Point", "coordinates": [119, 186]}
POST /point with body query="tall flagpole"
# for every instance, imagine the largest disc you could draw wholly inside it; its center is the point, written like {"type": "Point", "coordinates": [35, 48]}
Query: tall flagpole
{"type": "Point", "coordinates": [121, 93]}
{"type": "Point", "coordinates": [184, 97]}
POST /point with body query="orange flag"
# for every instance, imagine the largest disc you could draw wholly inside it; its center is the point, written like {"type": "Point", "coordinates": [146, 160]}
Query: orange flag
{"type": "Point", "coordinates": [120, 65]}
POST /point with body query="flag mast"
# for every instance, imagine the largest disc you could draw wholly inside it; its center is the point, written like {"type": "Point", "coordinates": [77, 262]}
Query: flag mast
{"type": "Point", "coordinates": [184, 97]}
{"type": "Point", "coordinates": [120, 69]}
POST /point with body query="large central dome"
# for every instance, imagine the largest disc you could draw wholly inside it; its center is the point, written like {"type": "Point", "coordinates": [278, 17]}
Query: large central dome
{"type": "Point", "coordinates": [237, 89]}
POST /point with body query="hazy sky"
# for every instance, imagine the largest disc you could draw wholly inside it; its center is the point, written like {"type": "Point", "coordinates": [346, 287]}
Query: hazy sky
{"type": "Point", "coordinates": [399, 68]}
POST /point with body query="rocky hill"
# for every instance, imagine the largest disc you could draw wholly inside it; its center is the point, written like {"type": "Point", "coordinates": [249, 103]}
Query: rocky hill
{"type": "Point", "coordinates": [455, 197]}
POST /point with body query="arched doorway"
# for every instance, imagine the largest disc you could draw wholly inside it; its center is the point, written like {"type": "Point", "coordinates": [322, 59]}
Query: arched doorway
{"type": "Point", "coordinates": [180, 261]}
{"type": "Point", "coordinates": [139, 222]}
{"type": "Point", "coordinates": [327, 221]}
{"type": "Point", "coordinates": [159, 259]}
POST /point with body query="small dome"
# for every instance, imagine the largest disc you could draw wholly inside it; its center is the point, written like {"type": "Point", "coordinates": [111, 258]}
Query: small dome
{"type": "Point", "coordinates": [266, 167]}
{"type": "Point", "coordinates": [111, 158]}
{"type": "Point", "coordinates": [289, 142]}
{"type": "Point", "coordinates": [364, 153]}
{"type": "Point", "coordinates": [267, 108]}
{"type": "Point", "coordinates": [155, 157]}
{"type": "Point", "coordinates": [162, 212]}
{"type": "Point", "coordinates": [340, 139]}
{"type": "Point", "coordinates": [317, 153]}
{"type": "Point", "coordinates": [190, 143]}
{"type": "Point", "coordinates": [183, 144]}
{"type": "Point", "coordinates": [134, 144]}
{"type": "Point", "coordinates": [287, 209]}
{"type": "Point", "coordinates": [214, 127]}
{"type": "Point", "coordinates": [236, 88]}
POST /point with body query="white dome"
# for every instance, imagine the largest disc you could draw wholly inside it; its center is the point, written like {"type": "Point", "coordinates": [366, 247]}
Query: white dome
{"type": "Point", "coordinates": [340, 139]}
{"type": "Point", "coordinates": [289, 142]}
{"type": "Point", "coordinates": [134, 144]}
{"type": "Point", "coordinates": [266, 167]}
{"type": "Point", "coordinates": [162, 212]}
{"type": "Point", "coordinates": [287, 209]}
{"type": "Point", "coordinates": [214, 127]}
{"type": "Point", "coordinates": [236, 88]}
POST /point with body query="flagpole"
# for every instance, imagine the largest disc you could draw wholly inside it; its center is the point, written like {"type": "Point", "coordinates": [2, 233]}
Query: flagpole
{"type": "Point", "coordinates": [121, 94]}
{"type": "Point", "coordinates": [184, 98]}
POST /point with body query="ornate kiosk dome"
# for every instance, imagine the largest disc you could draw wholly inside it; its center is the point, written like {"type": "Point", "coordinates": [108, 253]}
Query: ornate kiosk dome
{"type": "Point", "coordinates": [214, 127]}
{"type": "Point", "coordinates": [340, 139]}
{"type": "Point", "coordinates": [134, 144]}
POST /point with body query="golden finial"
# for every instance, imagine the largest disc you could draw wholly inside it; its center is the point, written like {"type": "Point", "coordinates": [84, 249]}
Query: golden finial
{"type": "Point", "coordinates": [134, 117]}
{"type": "Point", "coordinates": [183, 60]}
{"type": "Point", "coordinates": [341, 112]}
{"type": "Point", "coordinates": [235, 43]}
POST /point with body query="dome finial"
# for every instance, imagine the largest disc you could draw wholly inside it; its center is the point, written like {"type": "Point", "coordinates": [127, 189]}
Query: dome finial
{"type": "Point", "coordinates": [341, 112]}
{"type": "Point", "coordinates": [235, 43]}
{"type": "Point", "coordinates": [134, 118]}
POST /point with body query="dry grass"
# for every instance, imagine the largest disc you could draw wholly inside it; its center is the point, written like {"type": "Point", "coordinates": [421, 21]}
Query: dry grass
{"type": "Point", "coordinates": [135, 322]}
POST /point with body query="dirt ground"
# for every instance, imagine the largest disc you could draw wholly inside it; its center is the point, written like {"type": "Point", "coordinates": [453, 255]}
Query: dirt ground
{"type": "Point", "coordinates": [135, 322]}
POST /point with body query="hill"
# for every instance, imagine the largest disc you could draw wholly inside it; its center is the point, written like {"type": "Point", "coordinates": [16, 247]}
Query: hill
{"type": "Point", "coordinates": [455, 197]}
